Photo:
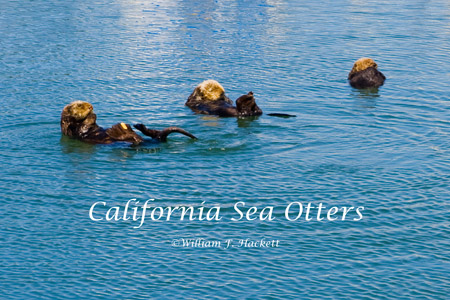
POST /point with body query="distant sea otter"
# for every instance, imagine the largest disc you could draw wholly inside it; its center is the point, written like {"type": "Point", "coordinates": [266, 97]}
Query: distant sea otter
{"type": "Point", "coordinates": [78, 120]}
{"type": "Point", "coordinates": [365, 74]}
{"type": "Point", "coordinates": [209, 98]}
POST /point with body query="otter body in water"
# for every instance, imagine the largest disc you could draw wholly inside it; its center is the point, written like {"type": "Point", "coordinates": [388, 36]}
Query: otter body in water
{"type": "Point", "coordinates": [79, 121]}
{"type": "Point", "coordinates": [365, 74]}
{"type": "Point", "coordinates": [209, 98]}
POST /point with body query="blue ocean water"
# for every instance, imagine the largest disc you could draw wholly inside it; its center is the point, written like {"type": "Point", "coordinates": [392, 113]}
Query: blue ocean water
{"type": "Point", "coordinates": [138, 61]}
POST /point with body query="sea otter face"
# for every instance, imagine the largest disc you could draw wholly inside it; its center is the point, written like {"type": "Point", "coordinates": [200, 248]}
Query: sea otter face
{"type": "Point", "coordinates": [246, 106]}
{"type": "Point", "coordinates": [362, 64]}
{"type": "Point", "coordinates": [76, 116]}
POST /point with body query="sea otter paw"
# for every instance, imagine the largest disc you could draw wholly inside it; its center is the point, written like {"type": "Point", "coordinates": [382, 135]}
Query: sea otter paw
{"type": "Point", "coordinates": [123, 132]}
{"type": "Point", "coordinates": [148, 132]}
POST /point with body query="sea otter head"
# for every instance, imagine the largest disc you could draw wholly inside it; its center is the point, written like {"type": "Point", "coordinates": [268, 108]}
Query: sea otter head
{"type": "Point", "coordinates": [207, 92]}
{"type": "Point", "coordinates": [76, 115]}
{"type": "Point", "coordinates": [210, 90]}
{"type": "Point", "coordinates": [362, 64]}
{"type": "Point", "coordinates": [78, 110]}
{"type": "Point", "coordinates": [246, 106]}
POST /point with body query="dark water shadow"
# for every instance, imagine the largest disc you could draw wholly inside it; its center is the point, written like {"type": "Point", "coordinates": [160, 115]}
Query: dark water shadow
{"type": "Point", "coordinates": [69, 145]}
{"type": "Point", "coordinates": [122, 149]}
{"type": "Point", "coordinates": [148, 146]}
{"type": "Point", "coordinates": [245, 122]}
{"type": "Point", "coordinates": [365, 98]}
{"type": "Point", "coordinates": [366, 93]}
{"type": "Point", "coordinates": [125, 153]}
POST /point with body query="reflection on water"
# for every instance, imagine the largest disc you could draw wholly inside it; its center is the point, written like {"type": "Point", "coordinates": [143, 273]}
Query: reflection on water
{"type": "Point", "coordinates": [366, 93]}
{"type": "Point", "coordinates": [246, 121]}
{"type": "Point", "coordinates": [365, 98]}
{"type": "Point", "coordinates": [70, 145]}
{"type": "Point", "coordinates": [211, 121]}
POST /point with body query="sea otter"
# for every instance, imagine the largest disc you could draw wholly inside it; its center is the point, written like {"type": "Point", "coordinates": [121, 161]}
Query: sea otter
{"type": "Point", "coordinates": [209, 98]}
{"type": "Point", "coordinates": [364, 74]}
{"type": "Point", "coordinates": [78, 120]}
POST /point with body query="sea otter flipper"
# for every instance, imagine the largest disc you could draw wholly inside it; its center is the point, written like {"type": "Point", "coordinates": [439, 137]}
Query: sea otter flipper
{"type": "Point", "coordinates": [165, 132]}
{"type": "Point", "coordinates": [281, 115]}
{"type": "Point", "coordinates": [162, 134]}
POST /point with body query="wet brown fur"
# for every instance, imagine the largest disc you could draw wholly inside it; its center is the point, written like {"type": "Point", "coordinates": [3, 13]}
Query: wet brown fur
{"type": "Point", "coordinates": [365, 74]}
{"type": "Point", "coordinates": [209, 98]}
{"type": "Point", "coordinates": [78, 120]}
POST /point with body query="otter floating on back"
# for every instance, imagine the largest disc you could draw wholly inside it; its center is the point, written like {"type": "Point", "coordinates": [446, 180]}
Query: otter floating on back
{"type": "Point", "coordinates": [78, 120]}
{"type": "Point", "coordinates": [365, 74]}
{"type": "Point", "coordinates": [209, 98]}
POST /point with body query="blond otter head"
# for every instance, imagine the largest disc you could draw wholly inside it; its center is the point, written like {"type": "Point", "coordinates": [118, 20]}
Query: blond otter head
{"type": "Point", "coordinates": [78, 110]}
{"type": "Point", "coordinates": [76, 115]}
{"type": "Point", "coordinates": [362, 64]}
{"type": "Point", "coordinates": [210, 90]}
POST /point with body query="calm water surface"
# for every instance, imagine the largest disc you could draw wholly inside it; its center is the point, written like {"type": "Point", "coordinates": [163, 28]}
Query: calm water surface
{"type": "Point", "coordinates": [138, 61]}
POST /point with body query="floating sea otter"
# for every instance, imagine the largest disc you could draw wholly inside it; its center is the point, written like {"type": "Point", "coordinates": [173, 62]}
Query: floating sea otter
{"type": "Point", "coordinates": [78, 120]}
{"type": "Point", "coordinates": [209, 98]}
{"type": "Point", "coordinates": [365, 74]}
